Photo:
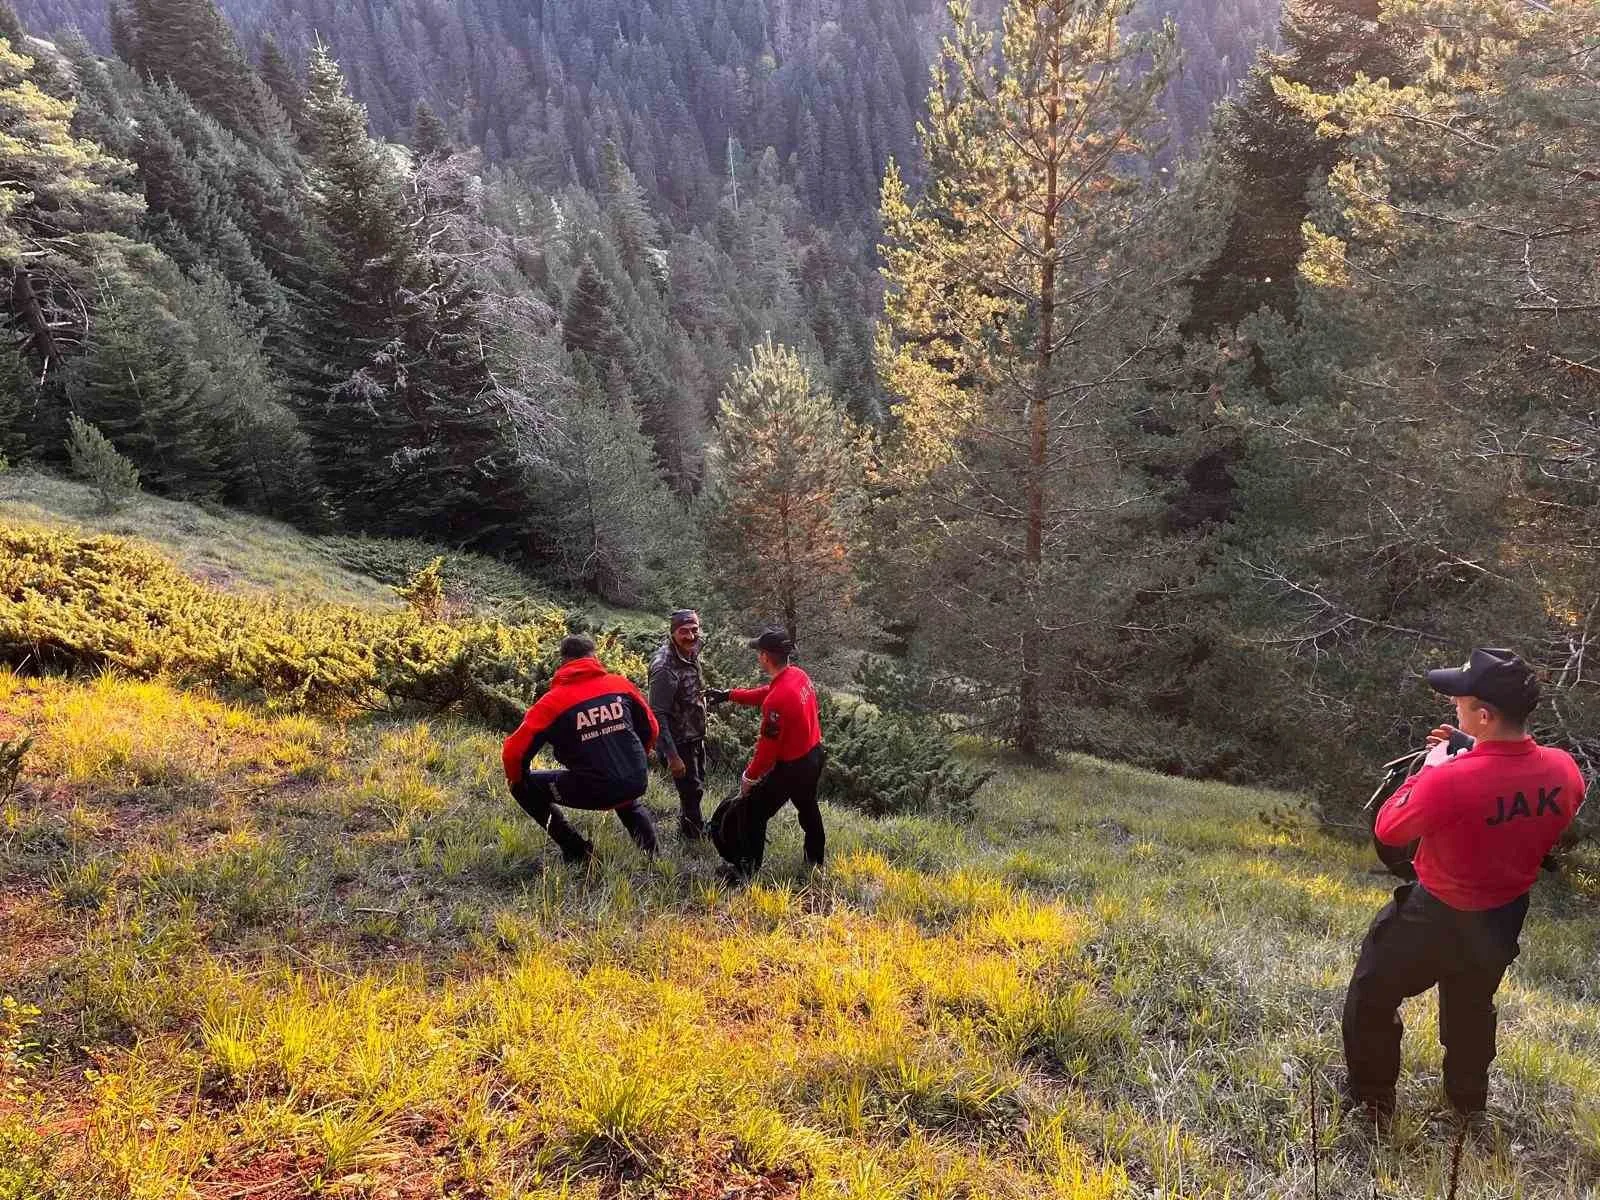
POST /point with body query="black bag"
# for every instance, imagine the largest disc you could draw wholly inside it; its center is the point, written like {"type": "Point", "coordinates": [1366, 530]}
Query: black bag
{"type": "Point", "coordinates": [730, 829]}
{"type": "Point", "coordinates": [1395, 772]}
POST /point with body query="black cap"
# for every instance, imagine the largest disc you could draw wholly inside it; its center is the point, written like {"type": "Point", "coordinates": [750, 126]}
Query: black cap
{"type": "Point", "coordinates": [774, 640]}
{"type": "Point", "coordinates": [683, 616]}
{"type": "Point", "coordinates": [1497, 677]}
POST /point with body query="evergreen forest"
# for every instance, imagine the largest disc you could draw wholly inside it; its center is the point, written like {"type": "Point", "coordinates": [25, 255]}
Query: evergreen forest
{"type": "Point", "coordinates": [1170, 382]}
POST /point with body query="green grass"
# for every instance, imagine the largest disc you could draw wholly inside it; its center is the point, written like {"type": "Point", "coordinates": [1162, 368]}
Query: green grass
{"type": "Point", "coordinates": [222, 547]}
{"type": "Point", "coordinates": [280, 956]}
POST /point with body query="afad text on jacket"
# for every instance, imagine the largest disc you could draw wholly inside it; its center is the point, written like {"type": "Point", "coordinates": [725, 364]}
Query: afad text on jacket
{"type": "Point", "coordinates": [596, 724]}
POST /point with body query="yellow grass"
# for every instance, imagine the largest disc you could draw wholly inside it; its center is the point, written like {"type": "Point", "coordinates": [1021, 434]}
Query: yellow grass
{"type": "Point", "coordinates": [282, 957]}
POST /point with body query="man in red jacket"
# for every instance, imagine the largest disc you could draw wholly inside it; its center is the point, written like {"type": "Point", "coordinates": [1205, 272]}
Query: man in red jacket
{"type": "Point", "coordinates": [787, 764]}
{"type": "Point", "coordinates": [1486, 819]}
{"type": "Point", "coordinates": [601, 731]}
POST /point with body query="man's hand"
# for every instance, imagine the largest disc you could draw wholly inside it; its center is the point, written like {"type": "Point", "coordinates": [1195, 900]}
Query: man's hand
{"type": "Point", "coordinates": [716, 696]}
{"type": "Point", "coordinates": [675, 765]}
{"type": "Point", "coordinates": [744, 786]}
{"type": "Point", "coordinates": [1441, 734]}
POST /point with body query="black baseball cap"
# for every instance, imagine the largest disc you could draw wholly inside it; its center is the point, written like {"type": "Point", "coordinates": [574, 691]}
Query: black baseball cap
{"type": "Point", "coordinates": [1495, 676]}
{"type": "Point", "coordinates": [683, 616]}
{"type": "Point", "coordinates": [774, 640]}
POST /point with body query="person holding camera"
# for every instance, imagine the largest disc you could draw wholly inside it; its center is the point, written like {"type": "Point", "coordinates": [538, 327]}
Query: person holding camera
{"type": "Point", "coordinates": [601, 731]}
{"type": "Point", "coordinates": [787, 764]}
{"type": "Point", "coordinates": [1484, 819]}
{"type": "Point", "coordinates": [678, 699]}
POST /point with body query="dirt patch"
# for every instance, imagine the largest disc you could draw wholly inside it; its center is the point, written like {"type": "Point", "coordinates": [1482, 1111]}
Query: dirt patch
{"type": "Point", "coordinates": [268, 1175]}
{"type": "Point", "coordinates": [417, 1163]}
{"type": "Point", "coordinates": [734, 1184]}
{"type": "Point", "coordinates": [34, 935]}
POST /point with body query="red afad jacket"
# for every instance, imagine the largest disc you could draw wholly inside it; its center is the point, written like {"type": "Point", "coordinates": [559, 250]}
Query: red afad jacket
{"type": "Point", "coordinates": [790, 727]}
{"type": "Point", "coordinates": [596, 724]}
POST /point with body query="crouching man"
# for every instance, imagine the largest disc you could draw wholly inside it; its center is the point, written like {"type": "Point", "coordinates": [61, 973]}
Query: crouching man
{"type": "Point", "coordinates": [1486, 818]}
{"type": "Point", "coordinates": [601, 731]}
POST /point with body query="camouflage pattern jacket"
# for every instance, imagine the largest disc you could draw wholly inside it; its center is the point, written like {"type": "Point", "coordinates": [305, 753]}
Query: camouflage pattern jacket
{"type": "Point", "coordinates": [678, 698]}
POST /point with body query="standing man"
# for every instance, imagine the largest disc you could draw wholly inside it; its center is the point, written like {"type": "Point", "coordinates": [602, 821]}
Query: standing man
{"type": "Point", "coordinates": [601, 731]}
{"type": "Point", "coordinates": [678, 699]}
{"type": "Point", "coordinates": [787, 764]}
{"type": "Point", "coordinates": [1486, 819]}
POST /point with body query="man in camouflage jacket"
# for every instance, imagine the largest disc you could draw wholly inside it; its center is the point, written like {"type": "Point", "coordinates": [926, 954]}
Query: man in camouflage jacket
{"type": "Point", "coordinates": [678, 699]}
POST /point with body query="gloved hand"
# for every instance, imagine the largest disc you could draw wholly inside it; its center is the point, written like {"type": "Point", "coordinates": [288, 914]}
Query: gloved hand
{"type": "Point", "coordinates": [716, 696]}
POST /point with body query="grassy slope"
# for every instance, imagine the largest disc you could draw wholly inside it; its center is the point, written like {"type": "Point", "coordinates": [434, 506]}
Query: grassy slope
{"type": "Point", "coordinates": [276, 956]}
{"type": "Point", "coordinates": [226, 549]}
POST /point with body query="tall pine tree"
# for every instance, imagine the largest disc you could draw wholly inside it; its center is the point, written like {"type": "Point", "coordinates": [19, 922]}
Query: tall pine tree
{"type": "Point", "coordinates": [1028, 291]}
{"type": "Point", "coordinates": [787, 478]}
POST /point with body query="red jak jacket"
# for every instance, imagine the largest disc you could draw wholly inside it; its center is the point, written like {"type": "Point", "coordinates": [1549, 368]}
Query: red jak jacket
{"type": "Point", "coordinates": [790, 727]}
{"type": "Point", "coordinates": [1486, 817]}
{"type": "Point", "coordinates": [596, 724]}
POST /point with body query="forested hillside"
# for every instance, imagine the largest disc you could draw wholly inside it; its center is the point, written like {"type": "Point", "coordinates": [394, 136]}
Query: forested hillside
{"type": "Point", "coordinates": [834, 87]}
{"type": "Point", "coordinates": [1053, 419]}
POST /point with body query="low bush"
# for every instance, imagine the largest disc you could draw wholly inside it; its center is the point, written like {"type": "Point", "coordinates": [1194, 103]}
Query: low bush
{"type": "Point", "coordinates": [881, 764]}
{"type": "Point", "coordinates": [887, 764]}
{"type": "Point", "coordinates": [469, 581]}
{"type": "Point", "coordinates": [69, 602]}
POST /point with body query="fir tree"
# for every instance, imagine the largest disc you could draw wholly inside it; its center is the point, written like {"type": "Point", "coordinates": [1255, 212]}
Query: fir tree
{"type": "Point", "coordinates": [96, 461]}
{"type": "Point", "coordinates": [1275, 157]}
{"type": "Point", "coordinates": [136, 386]}
{"type": "Point", "coordinates": [191, 44]}
{"type": "Point", "coordinates": [625, 206]}
{"type": "Point", "coordinates": [429, 136]}
{"type": "Point", "coordinates": [612, 520]}
{"type": "Point", "coordinates": [590, 324]}
{"type": "Point", "coordinates": [282, 81]}
{"type": "Point", "coordinates": [787, 473]}
{"type": "Point", "coordinates": [411, 435]}
{"type": "Point", "coordinates": [57, 191]}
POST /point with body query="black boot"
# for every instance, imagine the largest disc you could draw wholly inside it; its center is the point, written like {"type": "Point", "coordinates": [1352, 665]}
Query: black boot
{"type": "Point", "coordinates": [575, 848]}
{"type": "Point", "coordinates": [577, 853]}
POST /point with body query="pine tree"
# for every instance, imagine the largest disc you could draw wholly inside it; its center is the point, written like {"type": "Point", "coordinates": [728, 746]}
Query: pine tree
{"type": "Point", "coordinates": [190, 43]}
{"type": "Point", "coordinates": [56, 192]}
{"type": "Point", "coordinates": [1036, 276]}
{"type": "Point", "coordinates": [282, 81]}
{"type": "Point", "coordinates": [1275, 157]}
{"type": "Point", "coordinates": [787, 472]}
{"type": "Point", "coordinates": [96, 461]}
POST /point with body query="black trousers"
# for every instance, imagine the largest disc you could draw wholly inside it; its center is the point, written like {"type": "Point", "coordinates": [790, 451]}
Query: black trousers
{"type": "Point", "coordinates": [1415, 942]}
{"type": "Point", "coordinates": [793, 782]}
{"type": "Point", "coordinates": [692, 787]}
{"type": "Point", "coordinates": [541, 791]}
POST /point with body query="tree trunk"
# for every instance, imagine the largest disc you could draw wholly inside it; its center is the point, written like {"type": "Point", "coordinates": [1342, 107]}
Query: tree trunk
{"type": "Point", "coordinates": [1029, 717]}
{"type": "Point", "coordinates": [26, 303]}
